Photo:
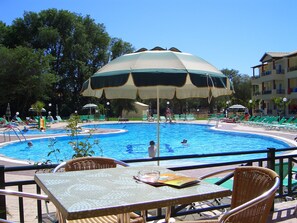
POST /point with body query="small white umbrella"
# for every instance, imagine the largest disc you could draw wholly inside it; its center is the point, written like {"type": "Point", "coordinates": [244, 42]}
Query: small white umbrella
{"type": "Point", "coordinates": [237, 106]}
{"type": "Point", "coordinates": [34, 110]}
{"type": "Point", "coordinates": [90, 106]}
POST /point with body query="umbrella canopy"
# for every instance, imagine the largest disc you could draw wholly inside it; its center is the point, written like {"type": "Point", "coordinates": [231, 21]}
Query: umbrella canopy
{"type": "Point", "coordinates": [87, 106]}
{"type": "Point", "coordinates": [34, 110]}
{"type": "Point", "coordinates": [90, 106]}
{"type": "Point", "coordinates": [157, 73]}
{"type": "Point", "coordinates": [237, 107]}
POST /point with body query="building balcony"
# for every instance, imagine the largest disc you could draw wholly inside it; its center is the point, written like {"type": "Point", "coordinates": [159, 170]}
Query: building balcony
{"type": "Point", "coordinates": [292, 68]}
{"type": "Point", "coordinates": [292, 90]}
{"type": "Point", "coordinates": [273, 75]}
{"type": "Point", "coordinates": [266, 92]}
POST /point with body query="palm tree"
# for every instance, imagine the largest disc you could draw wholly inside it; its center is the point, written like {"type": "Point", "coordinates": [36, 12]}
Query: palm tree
{"type": "Point", "coordinates": [38, 106]}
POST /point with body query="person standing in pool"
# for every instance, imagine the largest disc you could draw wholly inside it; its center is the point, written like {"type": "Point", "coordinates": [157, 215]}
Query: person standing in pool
{"type": "Point", "coordinates": [152, 149]}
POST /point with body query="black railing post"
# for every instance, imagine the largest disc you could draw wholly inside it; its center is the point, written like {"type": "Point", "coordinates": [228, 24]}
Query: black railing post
{"type": "Point", "coordinates": [21, 205]}
{"type": "Point", "coordinates": [2, 197]}
{"type": "Point", "coordinates": [271, 158]}
{"type": "Point", "coordinates": [271, 164]}
{"type": "Point", "coordinates": [39, 210]}
{"type": "Point", "coordinates": [290, 167]}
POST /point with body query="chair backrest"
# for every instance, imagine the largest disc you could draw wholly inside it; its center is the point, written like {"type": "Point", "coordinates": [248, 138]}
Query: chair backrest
{"type": "Point", "coordinates": [253, 193]}
{"type": "Point", "coordinates": [59, 118]}
{"type": "Point", "coordinates": [89, 163]}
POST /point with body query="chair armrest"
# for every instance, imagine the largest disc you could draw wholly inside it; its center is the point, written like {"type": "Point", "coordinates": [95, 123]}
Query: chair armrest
{"type": "Point", "coordinates": [216, 173]}
{"type": "Point", "coordinates": [271, 192]}
{"type": "Point", "coordinates": [24, 194]}
{"type": "Point", "coordinates": [61, 165]}
{"type": "Point", "coordinates": [121, 163]}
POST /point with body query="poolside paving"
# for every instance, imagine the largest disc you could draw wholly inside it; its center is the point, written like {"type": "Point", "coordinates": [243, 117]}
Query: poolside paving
{"type": "Point", "coordinates": [283, 210]}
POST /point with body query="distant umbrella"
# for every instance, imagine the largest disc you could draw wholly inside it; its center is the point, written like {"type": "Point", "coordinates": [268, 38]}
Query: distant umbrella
{"type": "Point", "coordinates": [90, 106]}
{"type": "Point", "coordinates": [57, 110]}
{"type": "Point", "coordinates": [34, 110]}
{"type": "Point", "coordinates": [237, 107]}
{"type": "Point", "coordinates": [8, 112]}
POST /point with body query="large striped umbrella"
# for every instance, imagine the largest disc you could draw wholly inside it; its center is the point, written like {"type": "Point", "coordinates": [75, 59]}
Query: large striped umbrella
{"type": "Point", "coordinates": [157, 73]}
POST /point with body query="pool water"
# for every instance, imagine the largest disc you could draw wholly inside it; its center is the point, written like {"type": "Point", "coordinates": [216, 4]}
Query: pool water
{"type": "Point", "coordinates": [133, 143]}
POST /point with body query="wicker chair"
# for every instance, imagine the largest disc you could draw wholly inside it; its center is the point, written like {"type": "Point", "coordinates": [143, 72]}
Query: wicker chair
{"type": "Point", "coordinates": [90, 163]}
{"type": "Point", "coordinates": [253, 194]}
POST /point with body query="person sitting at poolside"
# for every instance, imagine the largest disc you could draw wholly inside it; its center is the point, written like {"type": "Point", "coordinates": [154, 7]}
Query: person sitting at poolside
{"type": "Point", "coordinates": [152, 149]}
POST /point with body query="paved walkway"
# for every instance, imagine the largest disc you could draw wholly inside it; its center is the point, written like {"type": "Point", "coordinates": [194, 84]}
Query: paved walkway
{"type": "Point", "coordinates": [283, 211]}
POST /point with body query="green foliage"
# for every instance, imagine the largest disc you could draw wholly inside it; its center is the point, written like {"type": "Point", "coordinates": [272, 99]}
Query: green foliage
{"type": "Point", "coordinates": [38, 106]}
{"type": "Point", "coordinates": [53, 150]}
{"type": "Point", "coordinates": [253, 103]}
{"type": "Point", "coordinates": [80, 148]}
{"type": "Point", "coordinates": [242, 86]}
{"type": "Point", "coordinates": [24, 72]}
{"type": "Point", "coordinates": [3, 32]}
{"type": "Point", "coordinates": [78, 45]}
{"type": "Point", "coordinates": [119, 47]}
{"type": "Point", "coordinates": [280, 104]}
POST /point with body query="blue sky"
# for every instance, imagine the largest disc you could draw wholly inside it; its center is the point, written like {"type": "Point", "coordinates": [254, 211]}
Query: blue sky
{"type": "Point", "coordinates": [231, 34]}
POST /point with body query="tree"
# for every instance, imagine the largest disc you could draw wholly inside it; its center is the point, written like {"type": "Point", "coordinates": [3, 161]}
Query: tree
{"type": "Point", "coordinates": [37, 107]}
{"type": "Point", "coordinates": [3, 32]}
{"type": "Point", "coordinates": [119, 47]}
{"type": "Point", "coordinates": [79, 45]}
{"type": "Point", "coordinates": [281, 104]}
{"type": "Point", "coordinates": [25, 77]}
{"type": "Point", "coordinates": [242, 86]}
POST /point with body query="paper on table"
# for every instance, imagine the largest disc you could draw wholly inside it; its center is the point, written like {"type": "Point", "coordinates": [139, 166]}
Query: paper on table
{"type": "Point", "coordinates": [177, 180]}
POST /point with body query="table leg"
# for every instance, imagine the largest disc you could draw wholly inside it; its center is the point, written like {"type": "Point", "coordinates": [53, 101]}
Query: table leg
{"type": "Point", "coordinates": [123, 218]}
{"type": "Point", "coordinates": [167, 215]}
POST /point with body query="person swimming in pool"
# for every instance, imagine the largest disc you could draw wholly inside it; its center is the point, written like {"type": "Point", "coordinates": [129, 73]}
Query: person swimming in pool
{"type": "Point", "coordinates": [25, 129]}
{"type": "Point", "coordinates": [152, 149]}
{"type": "Point", "coordinates": [30, 144]}
{"type": "Point", "coordinates": [184, 142]}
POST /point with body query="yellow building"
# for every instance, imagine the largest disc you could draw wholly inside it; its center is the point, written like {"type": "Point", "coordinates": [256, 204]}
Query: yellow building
{"type": "Point", "coordinates": [276, 77]}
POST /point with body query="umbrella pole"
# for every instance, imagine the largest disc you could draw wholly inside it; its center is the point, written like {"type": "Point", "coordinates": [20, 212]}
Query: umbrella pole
{"type": "Point", "coordinates": [158, 124]}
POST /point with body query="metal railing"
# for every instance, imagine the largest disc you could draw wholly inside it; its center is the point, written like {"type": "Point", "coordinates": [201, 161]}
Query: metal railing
{"type": "Point", "coordinates": [271, 156]}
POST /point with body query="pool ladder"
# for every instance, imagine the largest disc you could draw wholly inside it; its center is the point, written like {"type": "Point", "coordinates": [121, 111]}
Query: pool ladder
{"type": "Point", "coordinates": [15, 130]}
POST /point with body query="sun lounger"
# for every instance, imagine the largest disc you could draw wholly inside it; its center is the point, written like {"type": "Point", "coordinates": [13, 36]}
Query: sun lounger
{"type": "Point", "coordinates": [19, 120]}
{"type": "Point", "coordinates": [59, 119]}
{"type": "Point", "coordinates": [102, 118]}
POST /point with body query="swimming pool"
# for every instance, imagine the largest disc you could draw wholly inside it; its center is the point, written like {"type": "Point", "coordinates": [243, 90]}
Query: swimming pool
{"type": "Point", "coordinates": [133, 142]}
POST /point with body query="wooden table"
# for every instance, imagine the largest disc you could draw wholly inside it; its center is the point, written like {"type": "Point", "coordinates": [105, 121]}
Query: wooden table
{"type": "Point", "coordinates": [91, 193]}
